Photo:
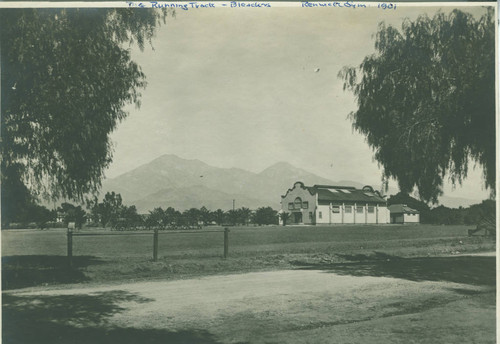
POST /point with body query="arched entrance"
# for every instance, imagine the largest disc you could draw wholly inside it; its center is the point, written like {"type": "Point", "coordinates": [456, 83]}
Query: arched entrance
{"type": "Point", "coordinates": [297, 207]}
{"type": "Point", "coordinates": [297, 217]}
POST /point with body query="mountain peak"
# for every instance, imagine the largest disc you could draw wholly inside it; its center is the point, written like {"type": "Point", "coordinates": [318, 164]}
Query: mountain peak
{"type": "Point", "coordinates": [172, 159]}
{"type": "Point", "coordinates": [169, 157]}
{"type": "Point", "coordinates": [282, 165]}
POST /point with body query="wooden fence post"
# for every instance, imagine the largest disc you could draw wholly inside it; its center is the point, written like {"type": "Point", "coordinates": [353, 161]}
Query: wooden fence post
{"type": "Point", "coordinates": [226, 242]}
{"type": "Point", "coordinates": [70, 246]}
{"type": "Point", "coordinates": [155, 245]}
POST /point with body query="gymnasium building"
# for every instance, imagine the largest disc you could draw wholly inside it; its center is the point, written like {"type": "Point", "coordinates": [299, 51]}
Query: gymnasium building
{"type": "Point", "coordinates": [327, 204]}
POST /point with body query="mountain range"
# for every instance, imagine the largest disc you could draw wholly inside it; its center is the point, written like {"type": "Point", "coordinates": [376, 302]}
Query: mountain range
{"type": "Point", "coordinates": [171, 181]}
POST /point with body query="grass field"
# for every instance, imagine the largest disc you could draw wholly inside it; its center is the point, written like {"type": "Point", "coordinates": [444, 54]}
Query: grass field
{"type": "Point", "coordinates": [33, 257]}
{"type": "Point", "coordinates": [344, 284]}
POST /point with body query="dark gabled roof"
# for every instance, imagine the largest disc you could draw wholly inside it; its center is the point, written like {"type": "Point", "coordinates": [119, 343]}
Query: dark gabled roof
{"type": "Point", "coordinates": [401, 209]}
{"type": "Point", "coordinates": [333, 187]}
{"type": "Point", "coordinates": [335, 194]}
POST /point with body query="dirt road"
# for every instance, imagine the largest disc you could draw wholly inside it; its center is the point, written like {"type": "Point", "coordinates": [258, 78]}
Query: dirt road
{"type": "Point", "coordinates": [292, 306]}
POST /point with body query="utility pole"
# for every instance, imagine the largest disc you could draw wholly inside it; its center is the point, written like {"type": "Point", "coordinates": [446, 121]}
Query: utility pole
{"type": "Point", "coordinates": [234, 214]}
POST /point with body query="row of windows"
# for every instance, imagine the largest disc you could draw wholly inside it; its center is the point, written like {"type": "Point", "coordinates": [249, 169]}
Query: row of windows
{"type": "Point", "coordinates": [298, 204]}
{"type": "Point", "coordinates": [348, 209]}
{"type": "Point", "coordinates": [335, 208]}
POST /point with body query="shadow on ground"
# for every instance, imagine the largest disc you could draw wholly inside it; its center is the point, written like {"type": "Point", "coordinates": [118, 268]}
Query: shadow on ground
{"type": "Point", "coordinates": [79, 319]}
{"type": "Point", "coordinates": [29, 271]}
{"type": "Point", "coordinates": [473, 270]}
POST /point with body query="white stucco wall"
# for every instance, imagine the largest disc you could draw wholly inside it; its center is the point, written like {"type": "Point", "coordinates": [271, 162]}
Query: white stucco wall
{"type": "Point", "coordinates": [329, 217]}
{"type": "Point", "coordinates": [348, 217]}
{"type": "Point", "coordinates": [322, 214]}
{"type": "Point", "coordinates": [336, 217]}
{"type": "Point", "coordinates": [371, 217]}
{"type": "Point", "coordinates": [305, 196]}
{"type": "Point", "coordinates": [412, 218]}
{"type": "Point", "coordinates": [383, 214]}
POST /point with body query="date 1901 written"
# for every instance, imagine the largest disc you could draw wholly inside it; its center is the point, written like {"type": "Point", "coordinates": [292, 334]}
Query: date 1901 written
{"type": "Point", "coordinates": [387, 6]}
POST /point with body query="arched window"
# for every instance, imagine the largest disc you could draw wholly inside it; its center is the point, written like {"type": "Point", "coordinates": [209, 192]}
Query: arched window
{"type": "Point", "coordinates": [297, 203]}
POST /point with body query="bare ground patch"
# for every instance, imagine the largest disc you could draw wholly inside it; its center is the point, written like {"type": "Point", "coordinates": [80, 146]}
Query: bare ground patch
{"type": "Point", "coordinates": [292, 306]}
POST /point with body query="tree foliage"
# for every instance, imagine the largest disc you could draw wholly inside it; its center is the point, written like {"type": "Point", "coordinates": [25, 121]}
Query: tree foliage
{"type": "Point", "coordinates": [426, 100]}
{"type": "Point", "coordinates": [112, 212]}
{"type": "Point", "coordinates": [218, 216]}
{"type": "Point", "coordinates": [66, 75]}
{"type": "Point", "coordinates": [473, 215]}
{"type": "Point", "coordinates": [16, 197]}
{"type": "Point", "coordinates": [402, 198]}
{"type": "Point", "coordinates": [265, 216]}
{"type": "Point", "coordinates": [18, 204]}
{"type": "Point", "coordinates": [156, 219]}
{"type": "Point", "coordinates": [284, 216]}
{"type": "Point", "coordinates": [205, 215]}
{"type": "Point", "coordinates": [73, 213]}
{"type": "Point", "coordinates": [192, 217]}
{"type": "Point", "coordinates": [110, 208]}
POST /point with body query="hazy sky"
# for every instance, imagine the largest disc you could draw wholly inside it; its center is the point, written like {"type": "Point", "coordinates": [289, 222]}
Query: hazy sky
{"type": "Point", "coordinates": [238, 88]}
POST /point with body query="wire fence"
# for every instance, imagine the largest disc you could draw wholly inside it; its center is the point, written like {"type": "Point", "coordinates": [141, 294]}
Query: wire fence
{"type": "Point", "coordinates": [72, 235]}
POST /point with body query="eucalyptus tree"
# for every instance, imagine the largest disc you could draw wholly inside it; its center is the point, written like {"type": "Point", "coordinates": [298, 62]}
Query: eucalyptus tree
{"type": "Point", "coordinates": [66, 76]}
{"type": "Point", "coordinates": [426, 100]}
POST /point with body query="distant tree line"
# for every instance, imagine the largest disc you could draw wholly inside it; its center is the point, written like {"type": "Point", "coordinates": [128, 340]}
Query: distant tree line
{"type": "Point", "coordinates": [170, 218]}
{"type": "Point", "coordinates": [443, 215]}
{"type": "Point", "coordinates": [112, 213]}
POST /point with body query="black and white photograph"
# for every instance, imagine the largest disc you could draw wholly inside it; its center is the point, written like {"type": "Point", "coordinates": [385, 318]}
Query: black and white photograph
{"type": "Point", "coordinates": [248, 172]}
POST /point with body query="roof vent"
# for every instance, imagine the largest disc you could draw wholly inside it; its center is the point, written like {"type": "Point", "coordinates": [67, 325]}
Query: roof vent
{"type": "Point", "coordinates": [367, 188]}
